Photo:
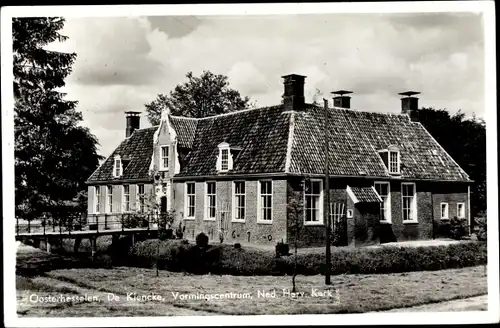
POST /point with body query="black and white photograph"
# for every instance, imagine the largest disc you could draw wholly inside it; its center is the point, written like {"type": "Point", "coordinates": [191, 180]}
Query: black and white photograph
{"type": "Point", "coordinates": [237, 164]}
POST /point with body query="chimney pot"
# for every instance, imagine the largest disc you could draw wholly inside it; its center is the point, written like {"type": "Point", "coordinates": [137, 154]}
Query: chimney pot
{"type": "Point", "coordinates": [409, 103]}
{"type": "Point", "coordinates": [133, 122]}
{"type": "Point", "coordinates": [341, 100]}
{"type": "Point", "coordinates": [293, 96]}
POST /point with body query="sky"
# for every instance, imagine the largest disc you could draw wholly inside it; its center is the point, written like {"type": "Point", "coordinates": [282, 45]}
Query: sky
{"type": "Point", "coordinates": [124, 62]}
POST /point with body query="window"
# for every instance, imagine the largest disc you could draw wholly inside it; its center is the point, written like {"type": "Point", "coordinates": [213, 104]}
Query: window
{"type": "Point", "coordinates": [239, 200]}
{"type": "Point", "coordinates": [265, 201]}
{"type": "Point", "coordinates": [225, 160]}
{"type": "Point", "coordinates": [117, 169]}
{"type": "Point", "coordinates": [190, 200]}
{"type": "Point", "coordinates": [313, 194]}
{"type": "Point", "coordinates": [210, 201]}
{"type": "Point", "coordinates": [109, 196]}
{"type": "Point", "coordinates": [393, 162]}
{"type": "Point", "coordinates": [384, 190]}
{"type": "Point", "coordinates": [140, 197]}
{"type": "Point", "coordinates": [164, 158]}
{"type": "Point", "coordinates": [409, 199]}
{"type": "Point", "coordinates": [97, 198]}
{"type": "Point", "coordinates": [461, 210]}
{"type": "Point", "coordinates": [444, 211]}
{"type": "Point", "coordinates": [126, 198]}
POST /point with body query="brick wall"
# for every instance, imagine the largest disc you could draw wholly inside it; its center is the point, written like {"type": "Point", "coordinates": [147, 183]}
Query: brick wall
{"type": "Point", "coordinates": [451, 194]}
{"type": "Point", "coordinates": [429, 197]}
{"type": "Point", "coordinates": [248, 231]}
{"type": "Point", "coordinates": [311, 235]}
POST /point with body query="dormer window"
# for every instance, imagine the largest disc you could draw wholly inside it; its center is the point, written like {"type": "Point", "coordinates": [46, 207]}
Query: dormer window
{"type": "Point", "coordinates": [391, 159]}
{"type": "Point", "coordinates": [225, 158]}
{"type": "Point", "coordinates": [117, 169]}
{"type": "Point", "coordinates": [164, 158]}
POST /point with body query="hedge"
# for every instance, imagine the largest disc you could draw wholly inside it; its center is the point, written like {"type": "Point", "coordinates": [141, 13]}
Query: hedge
{"type": "Point", "coordinates": [176, 255]}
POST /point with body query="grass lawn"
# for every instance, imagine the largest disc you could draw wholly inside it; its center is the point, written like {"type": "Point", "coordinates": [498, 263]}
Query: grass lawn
{"type": "Point", "coordinates": [350, 293]}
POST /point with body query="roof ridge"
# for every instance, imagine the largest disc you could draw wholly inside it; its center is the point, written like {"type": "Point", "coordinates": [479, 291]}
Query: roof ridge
{"type": "Point", "coordinates": [226, 114]}
{"type": "Point", "coordinates": [359, 110]}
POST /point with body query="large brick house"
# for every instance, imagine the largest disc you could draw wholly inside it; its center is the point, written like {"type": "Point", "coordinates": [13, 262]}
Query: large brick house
{"type": "Point", "coordinates": [235, 172]}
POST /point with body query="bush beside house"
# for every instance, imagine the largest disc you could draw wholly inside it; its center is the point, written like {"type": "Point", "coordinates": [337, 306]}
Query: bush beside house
{"type": "Point", "coordinates": [176, 255]}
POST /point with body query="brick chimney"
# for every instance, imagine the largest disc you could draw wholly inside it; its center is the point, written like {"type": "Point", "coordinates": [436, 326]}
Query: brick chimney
{"type": "Point", "coordinates": [341, 100]}
{"type": "Point", "coordinates": [409, 104]}
{"type": "Point", "coordinates": [293, 96]}
{"type": "Point", "coordinates": [133, 122]}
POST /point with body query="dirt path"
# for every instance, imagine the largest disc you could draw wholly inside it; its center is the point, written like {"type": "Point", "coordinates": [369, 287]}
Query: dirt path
{"type": "Point", "coordinates": [478, 303]}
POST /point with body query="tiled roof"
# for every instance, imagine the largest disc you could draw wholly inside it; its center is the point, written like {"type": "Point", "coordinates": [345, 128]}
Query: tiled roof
{"type": "Point", "coordinates": [356, 136]}
{"type": "Point", "coordinates": [139, 148]}
{"type": "Point", "coordinates": [185, 129]}
{"type": "Point", "coordinates": [365, 194]}
{"type": "Point", "coordinates": [263, 136]}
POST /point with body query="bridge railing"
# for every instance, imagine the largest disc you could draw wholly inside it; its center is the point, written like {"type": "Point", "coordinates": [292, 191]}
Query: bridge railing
{"type": "Point", "coordinates": [91, 222]}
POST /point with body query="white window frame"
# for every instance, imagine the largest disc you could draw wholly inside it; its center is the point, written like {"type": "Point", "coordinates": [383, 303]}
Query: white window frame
{"type": "Point", "coordinates": [414, 203]}
{"type": "Point", "coordinates": [118, 159]}
{"type": "Point", "coordinates": [389, 162]}
{"type": "Point", "coordinates": [97, 199]}
{"type": "Point", "coordinates": [124, 207]}
{"type": "Point", "coordinates": [321, 219]}
{"type": "Point", "coordinates": [234, 209]}
{"type": "Point", "coordinates": [162, 158]}
{"type": "Point", "coordinates": [387, 206]}
{"type": "Point", "coordinates": [109, 199]}
{"type": "Point", "coordinates": [259, 202]}
{"type": "Point", "coordinates": [140, 197]}
{"type": "Point", "coordinates": [224, 162]}
{"type": "Point", "coordinates": [186, 198]}
{"type": "Point", "coordinates": [207, 202]}
{"type": "Point", "coordinates": [458, 211]}
{"type": "Point", "coordinates": [224, 146]}
{"type": "Point", "coordinates": [447, 211]}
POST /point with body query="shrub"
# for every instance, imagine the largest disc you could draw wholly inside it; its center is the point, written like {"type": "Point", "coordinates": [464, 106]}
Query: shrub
{"type": "Point", "coordinates": [339, 233]}
{"type": "Point", "coordinates": [166, 234]}
{"type": "Point", "coordinates": [179, 232]}
{"type": "Point", "coordinates": [482, 228]}
{"type": "Point", "coordinates": [282, 249]}
{"type": "Point", "coordinates": [458, 228]}
{"type": "Point", "coordinates": [237, 245]}
{"type": "Point", "coordinates": [201, 240]}
{"type": "Point", "coordinates": [175, 255]}
{"type": "Point", "coordinates": [135, 221]}
{"type": "Point", "coordinates": [442, 228]}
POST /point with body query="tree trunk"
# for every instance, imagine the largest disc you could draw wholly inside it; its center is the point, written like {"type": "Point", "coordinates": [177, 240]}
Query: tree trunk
{"type": "Point", "coordinates": [157, 255]}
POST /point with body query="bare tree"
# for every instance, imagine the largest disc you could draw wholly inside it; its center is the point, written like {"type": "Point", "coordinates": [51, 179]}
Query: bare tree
{"type": "Point", "coordinates": [295, 207]}
{"type": "Point", "coordinates": [149, 206]}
